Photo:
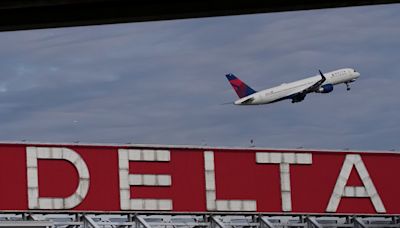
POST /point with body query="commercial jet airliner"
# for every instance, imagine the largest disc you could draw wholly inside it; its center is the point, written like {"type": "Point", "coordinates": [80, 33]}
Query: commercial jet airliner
{"type": "Point", "coordinates": [295, 91]}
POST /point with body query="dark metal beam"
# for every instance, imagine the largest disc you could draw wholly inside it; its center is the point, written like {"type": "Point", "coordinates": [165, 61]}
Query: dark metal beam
{"type": "Point", "coordinates": [34, 14]}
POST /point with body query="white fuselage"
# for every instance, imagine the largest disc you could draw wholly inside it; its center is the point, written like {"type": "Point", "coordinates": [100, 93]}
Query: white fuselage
{"type": "Point", "coordinates": [285, 90]}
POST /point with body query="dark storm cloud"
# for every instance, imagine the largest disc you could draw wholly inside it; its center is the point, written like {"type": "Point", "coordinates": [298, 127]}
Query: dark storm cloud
{"type": "Point", "coordinates": [163, 82]}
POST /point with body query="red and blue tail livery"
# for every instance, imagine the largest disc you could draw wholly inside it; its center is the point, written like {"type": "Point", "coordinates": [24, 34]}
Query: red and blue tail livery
{"type": "Point", "coordinates": [240, 87]}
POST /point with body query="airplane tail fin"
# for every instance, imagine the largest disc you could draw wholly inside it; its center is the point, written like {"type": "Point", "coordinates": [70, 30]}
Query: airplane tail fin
{"type": "Point", "coordinates": [240, 87]}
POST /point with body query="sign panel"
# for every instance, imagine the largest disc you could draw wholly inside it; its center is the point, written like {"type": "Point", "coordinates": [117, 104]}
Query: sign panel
{"type": "Point", "coordinates": [185, 179]}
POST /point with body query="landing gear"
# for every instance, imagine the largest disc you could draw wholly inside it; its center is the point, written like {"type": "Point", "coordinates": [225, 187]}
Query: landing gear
{"type": "Point", "coordinates": [347, 86]}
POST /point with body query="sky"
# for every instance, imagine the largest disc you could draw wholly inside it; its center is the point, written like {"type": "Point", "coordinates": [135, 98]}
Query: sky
{"type": "Point", "coordinates": [163, 82]}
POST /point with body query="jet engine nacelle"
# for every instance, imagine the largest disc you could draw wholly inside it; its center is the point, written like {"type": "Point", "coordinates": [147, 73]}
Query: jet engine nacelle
{"type": "Point", "coordinates": [325, 88]}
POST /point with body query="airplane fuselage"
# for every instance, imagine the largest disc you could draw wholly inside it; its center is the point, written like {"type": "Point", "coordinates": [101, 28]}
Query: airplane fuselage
{"type": "Point", "coordinates": [287, 90]}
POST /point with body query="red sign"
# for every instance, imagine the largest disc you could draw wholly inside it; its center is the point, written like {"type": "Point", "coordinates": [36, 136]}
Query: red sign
{"type": "Point", "coordinates": [182, 179]}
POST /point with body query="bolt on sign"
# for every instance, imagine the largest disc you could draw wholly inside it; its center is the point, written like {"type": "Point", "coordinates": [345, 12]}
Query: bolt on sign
{"type": "Point", "coordinates": [196, 179]}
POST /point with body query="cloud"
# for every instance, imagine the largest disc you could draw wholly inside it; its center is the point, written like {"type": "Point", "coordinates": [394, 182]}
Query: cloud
{"type": "Point", "coordinates": [163, 82]}
{"type": "Point", "coordinates": [3, 88]}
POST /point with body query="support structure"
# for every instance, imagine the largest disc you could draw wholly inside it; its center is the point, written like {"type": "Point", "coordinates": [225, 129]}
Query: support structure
{"type": "Point", "coordinates": [221, 220]}
{"type": "Point", "coordinates": [265, 223]}
{"type": "Point", "coordinates": [140, 222]}
{"type": "Point", "coordinates": [216, 223]}
{"type": "Point", "coordinates": [88, 222]}
{"type": "Point", "coordinates": [312, 222]}
{"type": "Point", "coordinates": [32, 14]}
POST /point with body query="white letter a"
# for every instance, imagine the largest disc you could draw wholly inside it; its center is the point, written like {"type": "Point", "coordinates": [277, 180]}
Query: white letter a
{"type": "Point", "coordinates": [367, 190]}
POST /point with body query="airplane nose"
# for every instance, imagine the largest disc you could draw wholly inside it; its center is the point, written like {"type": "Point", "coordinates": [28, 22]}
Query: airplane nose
{"type": "Point", "coordinates": [357, 74]}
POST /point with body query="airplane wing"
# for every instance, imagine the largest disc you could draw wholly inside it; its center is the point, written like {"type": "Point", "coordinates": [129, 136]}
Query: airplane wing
{"type": "Point", "coordinates": [316, 85]}
{"type": "Point", "coordinates": [299, 96]}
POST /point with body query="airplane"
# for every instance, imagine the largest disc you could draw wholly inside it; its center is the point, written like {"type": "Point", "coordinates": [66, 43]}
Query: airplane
{"type": "Point", "coordinates": [295, 91]}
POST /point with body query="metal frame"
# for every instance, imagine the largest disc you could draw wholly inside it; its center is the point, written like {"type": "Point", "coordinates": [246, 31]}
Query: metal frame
{"type": "Point", "coordinates": [167, 220]}
{"type": "Point", "coordinates": [33, 14]}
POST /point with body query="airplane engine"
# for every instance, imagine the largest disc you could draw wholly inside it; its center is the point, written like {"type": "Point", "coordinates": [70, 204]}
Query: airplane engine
{"type": "Point", "coordinates": [325, 88]}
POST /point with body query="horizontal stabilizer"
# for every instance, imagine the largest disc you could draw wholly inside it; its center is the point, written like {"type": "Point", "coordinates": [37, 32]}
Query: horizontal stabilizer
{"type": "Point", "coordinates": [248, 100]}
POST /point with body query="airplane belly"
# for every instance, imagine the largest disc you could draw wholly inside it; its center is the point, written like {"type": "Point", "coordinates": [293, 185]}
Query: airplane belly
{"type": "Point", "coordinates": [273, 97]}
